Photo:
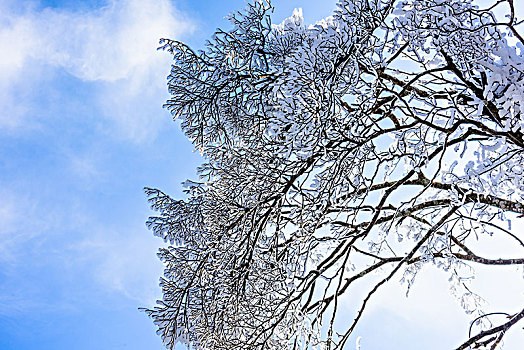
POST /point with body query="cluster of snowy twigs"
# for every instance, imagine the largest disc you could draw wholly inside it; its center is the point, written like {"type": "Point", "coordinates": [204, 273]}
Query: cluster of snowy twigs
{"type": "Point", "coordinates": [384, 138]}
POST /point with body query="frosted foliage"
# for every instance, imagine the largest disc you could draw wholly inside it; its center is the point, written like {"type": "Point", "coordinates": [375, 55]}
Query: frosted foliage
{"type": "Point", "coordinates": [380, 141]}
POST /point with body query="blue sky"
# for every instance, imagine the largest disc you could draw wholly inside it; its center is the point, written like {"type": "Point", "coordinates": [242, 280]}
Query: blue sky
{"type": "Point", "coordinates": [82, 131]}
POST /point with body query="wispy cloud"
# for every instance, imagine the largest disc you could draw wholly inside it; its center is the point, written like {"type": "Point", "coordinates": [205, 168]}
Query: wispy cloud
{"type": "Point", "coordinates": [113, 47]}
{"type": "Point", "coordinates": [122, 264]}
{"type": "Point", "coordinates": [21, 221]}
{"type": "Point", "coordinates": [74, 248]}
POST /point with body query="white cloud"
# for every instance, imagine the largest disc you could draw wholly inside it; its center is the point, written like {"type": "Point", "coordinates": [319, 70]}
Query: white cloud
{"type": "Point", "coordinates": [20, 218]}
{"type": "Point", "coordinates": [78, 246]}
{"type": "Point", "coordinates": [114, 47]}
{"type": "Point", "coordinates": [110, 43]}
{"type": "Point", "coordinates": [87, 167]}
{"type": "Point", "coordinates": [15, 39]}
{"type": "Point", "coordinates": [122, 264]}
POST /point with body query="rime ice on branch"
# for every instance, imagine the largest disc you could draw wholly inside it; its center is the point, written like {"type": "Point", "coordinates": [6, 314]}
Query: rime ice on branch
{"type": "Point", "coordinates": [383, 139]}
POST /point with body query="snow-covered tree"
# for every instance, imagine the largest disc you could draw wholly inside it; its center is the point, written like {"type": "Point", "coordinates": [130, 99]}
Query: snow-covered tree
{"type": "Point", "coordinates": [380, 140]}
